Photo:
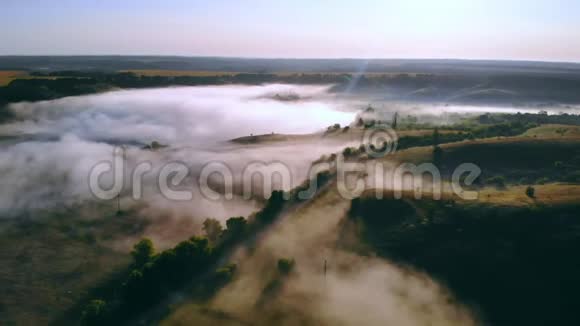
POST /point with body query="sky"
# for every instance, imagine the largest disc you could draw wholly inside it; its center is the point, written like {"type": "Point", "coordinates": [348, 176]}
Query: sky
{"type": "Point", "coordinates": [467, 29]}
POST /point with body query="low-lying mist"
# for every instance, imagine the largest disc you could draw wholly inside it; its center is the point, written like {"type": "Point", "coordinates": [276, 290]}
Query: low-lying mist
{"type": "Point", "coordinates": [50, 148]}
{"type": "Point", "coordinates": [48, 151]}
{"type": "Point", "coordinates": [179, 115]}
{"type": "Point", "coordinates": [330, 284]}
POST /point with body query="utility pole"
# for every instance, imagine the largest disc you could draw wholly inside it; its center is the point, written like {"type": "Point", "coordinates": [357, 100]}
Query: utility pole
{"type": "Point", "coordinates": [325, 268]}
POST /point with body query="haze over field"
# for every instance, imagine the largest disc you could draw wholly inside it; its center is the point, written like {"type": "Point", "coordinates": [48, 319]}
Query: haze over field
{"type": "Point", "coordinates": [58, 142]}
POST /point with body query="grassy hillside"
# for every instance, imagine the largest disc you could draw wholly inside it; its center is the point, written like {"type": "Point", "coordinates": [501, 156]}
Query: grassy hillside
{"type": "Point", "coordinates": [514, 266]}
{"type": "Point", "coordinates": [51, 262]}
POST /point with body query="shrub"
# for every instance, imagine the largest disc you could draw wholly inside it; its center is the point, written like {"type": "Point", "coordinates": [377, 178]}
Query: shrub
{"type": "Point", "coordinates": [436, 137]}
{"type": "Point", "coordinates": [285, 266]}
{"type": "Point", "coordinates": [95, 313]}
{"type": "Point", "coordinates": [437, 154]}
{"type": "Point", "coordinates": [530, 192]}
{"type": "Point", "coordinates": [347, 151]}
{"type": "Point", "coordinates": [334, 127]}
{"type": "Point", "coordinates": [224, 275]}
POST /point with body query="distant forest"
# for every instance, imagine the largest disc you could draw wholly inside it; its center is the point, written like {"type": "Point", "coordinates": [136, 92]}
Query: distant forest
{"type": "Point", "coordinates": [254, 65]}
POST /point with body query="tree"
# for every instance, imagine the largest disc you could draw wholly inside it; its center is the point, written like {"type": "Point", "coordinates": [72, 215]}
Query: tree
{"type": "Point", "coordinates": [437, 155]}
{"type": "Point", "coordinates": [235, 227]}
{"type": "Point", "coordinates": [530, 192]}
{"type": "Point", "coordinates": [136, 289]}
{"type": "Point", "coordinates": [192, 256]}
{"type": "Point", "coordinates": [213, 229]}
{"type": "Point", "coordinates": [142, 252]}
{"type": "Point", "coordinates": [347, 152]}
{"type": "Point", "coordinates": [436, 136]}
{"type": "Point", "coordinates": [272, 207]}
{"type": "Point", "coordinates": [334, 127]}
{"type": "Point", "coordinates": [95, 313]}
{"type": "Point", "coordinates": [285, 266]}
{"type": "Point", "coordinates": [394, 124]}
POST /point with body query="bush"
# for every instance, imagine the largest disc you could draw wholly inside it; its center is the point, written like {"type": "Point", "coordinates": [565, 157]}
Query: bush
{"type": "Point", "coordinates": [285, 266]}
{"type": "Point", "coordinates": [347, 152]}
{"type": "Point", "coordinates": [334, 127]}
{"type": "Point", "coordinates": [225, 274]}
{"type": "Point", "coordinates": [530, 192]}
{"type": "Point", "coordinates": [94, 313]}
{"type": "Point", "coordinates": [437, 155]}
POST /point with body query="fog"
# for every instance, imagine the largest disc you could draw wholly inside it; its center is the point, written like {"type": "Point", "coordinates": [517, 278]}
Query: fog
{"type": "Point", "coordinates": [354, 290]}
{"type": "Point", "coordinates": [49, 150]}
{"type": "Point", "coordinates": [180, 115]}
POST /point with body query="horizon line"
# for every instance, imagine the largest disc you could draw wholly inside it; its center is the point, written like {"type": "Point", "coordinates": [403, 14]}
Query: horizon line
{"type": "Point", "coordinates": [295, 58]}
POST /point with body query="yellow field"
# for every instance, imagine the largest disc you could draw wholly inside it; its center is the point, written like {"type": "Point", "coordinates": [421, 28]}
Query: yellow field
{"type": "Point", "coordinates": [548, 194]}
{"type": "Point", "coordinates": [553, 130]}
{"type": "Point", "coordinates": [7, 76]}
{"type": "Point", "coordinates": [180, 73]}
